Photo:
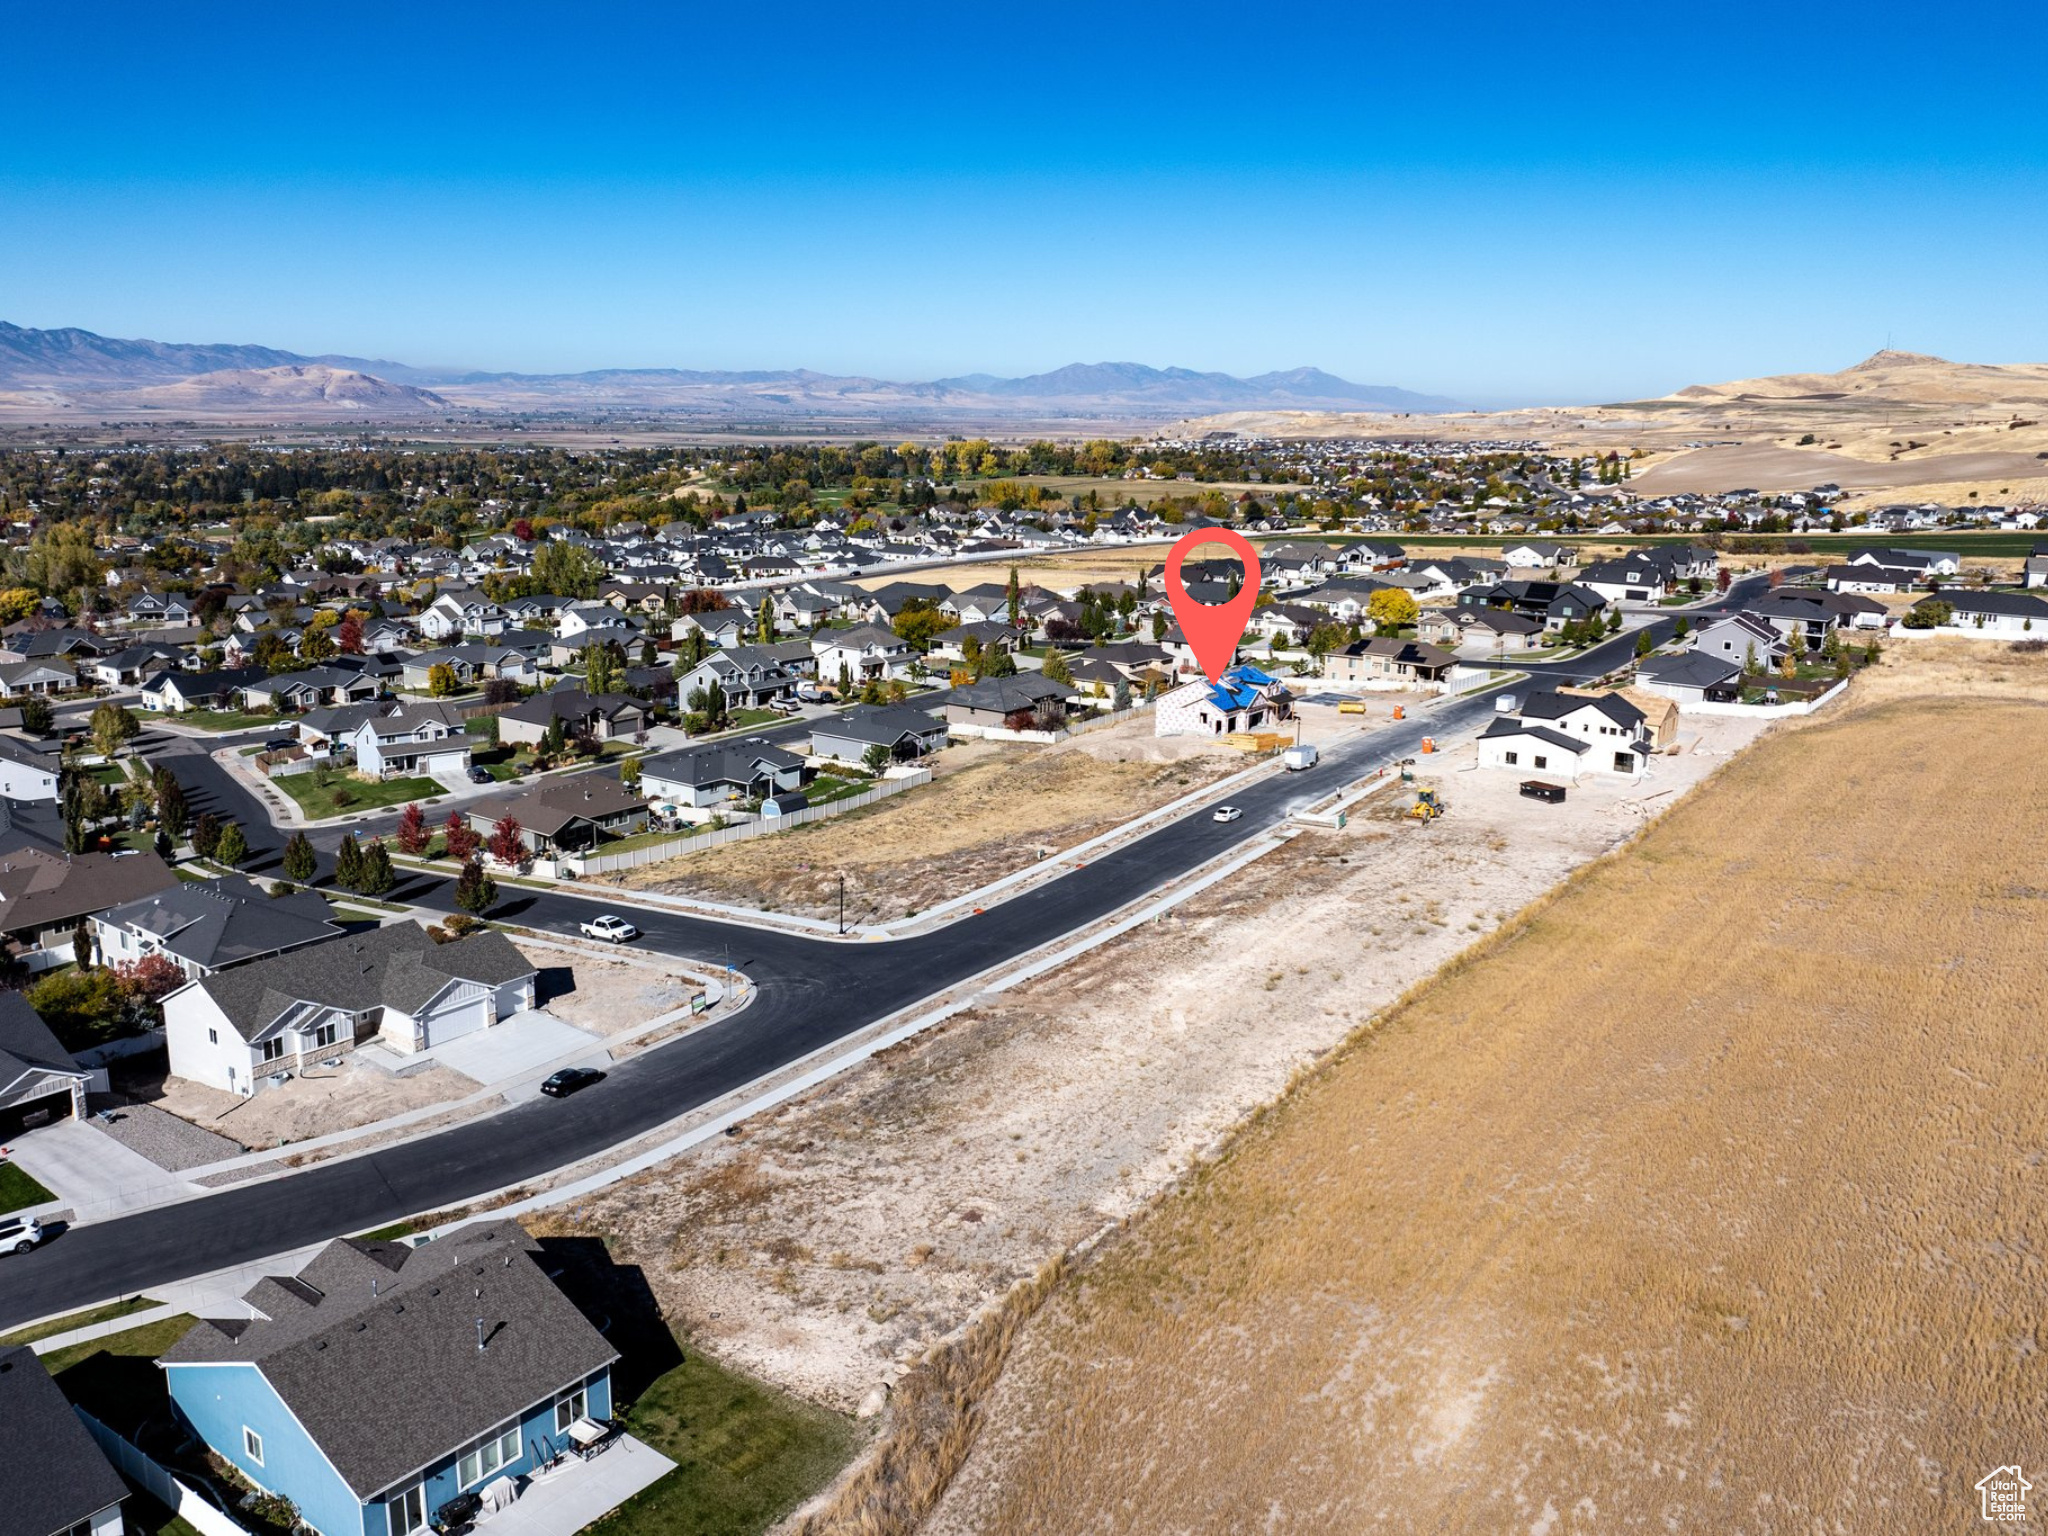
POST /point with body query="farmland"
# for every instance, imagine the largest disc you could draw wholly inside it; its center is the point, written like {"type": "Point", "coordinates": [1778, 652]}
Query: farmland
{"type": "Point", "coordinates": [1706, 1202]}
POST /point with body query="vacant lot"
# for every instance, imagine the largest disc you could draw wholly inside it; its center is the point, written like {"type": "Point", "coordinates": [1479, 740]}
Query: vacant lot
{"type": "Point", "coordinates": [1707, 1202]}
{"type": "Point", "coordinates": [1010, 807]}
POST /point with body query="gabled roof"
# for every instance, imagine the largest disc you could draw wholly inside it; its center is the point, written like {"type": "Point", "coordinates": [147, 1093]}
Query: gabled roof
{"type": "Point", "coordinates": [218, 923]}
{"type": "Point", "coordinates": [883, 724]}
{"type": "Point", "coordinates": [548, 807]}
{"type": "Point", "coordinates": [1556, 706]}
{"type": "Point", "coordinates": [52, 1476]}
{"type": "Point", "coordinates": [28, 1045]}
{"type": "Point", "coordinates": [44, 890]}
{"type": "Point", "coordinates": [1689, 669]}
{"type": "Point", "coordinates": [374, 1347]}
{"type": "Point", "coordinates": [1502, 726]}
{"type": "Point", "coordinates": [728, 762]}
{"type": "Point", "coordinates": [397, 966]}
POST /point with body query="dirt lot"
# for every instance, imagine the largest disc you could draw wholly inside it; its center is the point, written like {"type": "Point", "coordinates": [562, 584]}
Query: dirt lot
{"type": "Point", "coordinates": [313, 1103]}
{"type": "Point", "coordinates": [848, 1230]}
{"type": "Point", "coordinates": [994, 809]}
{"type": "Point", "coordinates": [607, 994]}
{"type": "Point", "coordinates": [1706, 1203]}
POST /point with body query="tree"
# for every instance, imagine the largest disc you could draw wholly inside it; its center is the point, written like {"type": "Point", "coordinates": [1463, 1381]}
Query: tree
{"type": "Point", "coordinates": [81, 1007]}
{"type": "Point", "coordinates": [1014, 594]}
{"type": "Point", "coordinates": [37, 718]}
{"type": "Point", "coordinates": [508, 845]}
{"type": "Point", "coordinates": [206, 834]}
{"type": "Point", "coordinates": [348, 634]}
{"type": "Point", "coordinates": [1056, 668]}
{"type": "Point", "coordinates": [1644, 645]}
{"type": "Point", "coordinates": [1158, 626]}
{"type": "Point", "coordinates": [83, 943]}
{"type": "Point", "coordinates": [376, 875]}
{"type": "Point", "coordinates": [230, 847]}
{"type": "Point", "coordinates": [300, 862]}
{"type": "Point", "coordinates": [1391, 609]}
{"type": "Point", "coordinates": [1750, 665]}
{"type": "Point", "coordinates": [348, 863]}
{"type": "Point", "coordinates": [629, 774]}
{"type": "Point", "coordinates": [170, 804]}
{"type": "Point", "coordinates": [412, 833]}
{"type": "Point", "coordinates": [600, 669]}
{"type": "Point", "coordinates": [764, 621]}
{"type": "Point", "coordinates": [441, 680]}
{"type": "Point", "coordinates": [148, 981]}
{"type": "Point", "coordinates": [1929, 613]}
{"type": "Point", "coordinates": [1723, 579]}
{"type": "Point", "coordinates": [112, 727]}
{"type": "Point", "coordinates": [876, 758]}
{"type": "Point", "coordinates": [475, 891]}
{"type": "Point", "coordinates": [459, 837]}
{"type": "Point", "coordinates": [1682, 628]}
{"type": "Point", "coordinates": [316, 645]}
{"type": "Point", "coordinates": [567, 570]}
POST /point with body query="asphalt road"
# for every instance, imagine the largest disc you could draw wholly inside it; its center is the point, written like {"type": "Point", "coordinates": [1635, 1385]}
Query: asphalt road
{"type": "Point", "coordinates": [811, 992]}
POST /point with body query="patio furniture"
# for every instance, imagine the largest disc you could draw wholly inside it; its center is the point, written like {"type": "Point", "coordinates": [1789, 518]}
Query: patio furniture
{"type": "Point", "coordinates": [589, 1437]}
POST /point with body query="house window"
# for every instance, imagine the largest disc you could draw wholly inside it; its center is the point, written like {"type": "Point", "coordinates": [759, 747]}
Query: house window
{"type": "Point", "coordinates": [1624, 762]}
{"type": "Point", "coordinates": [1541, 762]}
{"type": "Point", "coordinates": [213, 1037]}
{"type": "Point", "coordinates": [252, 1445]}
{"type": "Point", "coordinates": [1511, 758]}
{"type": "Point", "coordinates": [570, 1407]}
{"type": "Point", "coordinates": [270, 1050]}
{"type": "Point", "coordinates": [324, 1036]}
{"type": "Point", "coordinates": [409, 1511]}
{"type": "Point", "coordinates": [488, 1456]}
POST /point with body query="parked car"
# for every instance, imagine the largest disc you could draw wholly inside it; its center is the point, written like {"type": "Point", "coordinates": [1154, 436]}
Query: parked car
{"type": "Point", "coordinates": [479, 775]}
{"type": "Point", "coordinates": [612, 929]}
{"type": "Point", "coordinates": [1227, 813]}
{"type": "Point", "coordinates": [783, 706]}
{"type": "Point", "coordinates": [568, 1080]}
{"type": "Point", "coordinates": [18, 1234]}
{"type": "Point", "coordinates": [280, 743]}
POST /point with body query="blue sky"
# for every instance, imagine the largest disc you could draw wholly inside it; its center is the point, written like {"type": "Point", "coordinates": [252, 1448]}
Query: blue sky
{"type": "Point", "coordinates": [1501, 203]}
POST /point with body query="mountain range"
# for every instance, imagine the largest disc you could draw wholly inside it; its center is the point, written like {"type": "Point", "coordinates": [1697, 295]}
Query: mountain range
{"type": "Point", "coordinates": [77, 371]}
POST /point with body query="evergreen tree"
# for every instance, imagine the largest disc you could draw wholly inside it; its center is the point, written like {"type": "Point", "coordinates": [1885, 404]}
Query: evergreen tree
{"type": "Point", "coordinates": [475, 891]}
{"type": "Point", "coordinates": [1015, 593]}
{"type": "Point", "coordinates": [1056, 668]}
{"type": "Point", "coordinates": [300, 862]}
{"type": "Point", "coordinates": [206, 834]}
{"type": "Point", "coordinates": [764, 621]}
{"type": "Point", "coordinates": [377, 875]}
{"type": "Point", "coordinates": [82, 943]}
{"type": "Point", "coordinates": [348, 864]}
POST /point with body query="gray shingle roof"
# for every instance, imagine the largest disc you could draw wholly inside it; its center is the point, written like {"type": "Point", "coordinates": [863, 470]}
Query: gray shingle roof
{"type": "Point", "coordinates": [374, 1347]}
{"type": "Point", "coordinates": [52, 1476]}
{"type": "Point", "coordinates": [730, 762]}
{"type": "Point", "coordinates": [216, 923]}
{"type": "Point", "coordinates": [27, 1045]}
{"type": "Point", "coordinates": [1506, 727]}
{"type": "Point", "coordinates": [396, 966]}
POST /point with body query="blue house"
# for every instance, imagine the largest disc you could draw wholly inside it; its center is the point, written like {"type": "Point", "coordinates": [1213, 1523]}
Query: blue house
{"type": "Point", "coordinates": [382, 1381]}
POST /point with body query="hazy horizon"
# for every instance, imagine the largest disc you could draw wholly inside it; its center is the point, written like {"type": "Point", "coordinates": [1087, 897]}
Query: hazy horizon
{"type": "Point", "coordinates": [1536, 216]}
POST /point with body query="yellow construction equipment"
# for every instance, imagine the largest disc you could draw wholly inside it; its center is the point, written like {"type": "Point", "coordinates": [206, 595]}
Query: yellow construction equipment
{"type": "Point", "coordinates": [1351, 707]}
{"type": "Point", "coordinates": [1428, 805]}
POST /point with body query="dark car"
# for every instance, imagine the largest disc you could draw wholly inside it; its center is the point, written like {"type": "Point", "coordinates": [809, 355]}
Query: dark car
{"type": "Point", "coordinates": [568, 1080]}
{"type": "Point", "coordinates": [479, 775]}
{"type": "Point", "coordinates": [280, 743]}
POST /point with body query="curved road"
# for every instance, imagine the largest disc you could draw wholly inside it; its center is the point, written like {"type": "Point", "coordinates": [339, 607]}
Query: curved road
{"type": "Point", "coordinates": [810, 992]}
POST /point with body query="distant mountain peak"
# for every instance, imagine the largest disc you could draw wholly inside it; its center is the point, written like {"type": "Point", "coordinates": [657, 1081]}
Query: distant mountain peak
{"type": "Point", "coordinates": [1885, 357]}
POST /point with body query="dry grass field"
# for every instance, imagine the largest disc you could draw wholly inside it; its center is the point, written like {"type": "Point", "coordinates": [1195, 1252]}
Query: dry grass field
{"type": "Point", "coordinates": [1710, 1201]}
{"type": "Point", "coordinates": [1009, 807]}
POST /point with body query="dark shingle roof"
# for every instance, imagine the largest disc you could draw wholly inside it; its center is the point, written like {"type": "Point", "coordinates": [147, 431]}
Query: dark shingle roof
{"type": "Point", "coordinates": [731, 762]}
{"type": "Point", "coordinates": [218, 923]}
{"type": "Point", "coordinates": [41, 890]}
{"type": "Point", "coordinates": [52, 1475]}
{"type": "Point", "coordinates": [374, 1348]}
{"type": "Point", "coordinates": [27, 1044]}
{"type": "Point", "coordinates": [1501, 726]}
{"type": "Point", "coordinates": [397, 966]}
{"type": "Point", "coordinates": [1555, 706]}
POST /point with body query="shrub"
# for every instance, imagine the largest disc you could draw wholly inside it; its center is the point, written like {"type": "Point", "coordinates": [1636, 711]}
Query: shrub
{"type": "Point", "coordinates": [84, 1008]}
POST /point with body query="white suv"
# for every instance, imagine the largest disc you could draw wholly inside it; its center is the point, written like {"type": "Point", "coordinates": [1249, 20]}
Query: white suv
{"type": "Point", "coordinates": [18, 1234]}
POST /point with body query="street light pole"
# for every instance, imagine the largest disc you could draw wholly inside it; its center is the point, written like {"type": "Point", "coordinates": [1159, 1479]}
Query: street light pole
{"type": "Point", "coordinates": [842, 906]}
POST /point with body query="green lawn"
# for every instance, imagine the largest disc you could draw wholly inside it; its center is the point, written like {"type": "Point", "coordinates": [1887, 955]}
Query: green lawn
{"type": "Point", "coordinates": [745, 1454]}
{"type": "Point", "coordinates": [86, 1319]}
{"type": "Point", "coordinates": [392, 1233]}
{"type": "Point", "coordinates": [225, 719]}
{"type": "Point", "coordinates": [143, 1343]}
{"type": "Point", "coordinates": [343, 795]}
{"type": "Point", "coordinates": [741, 719]}
{"type": "Point", "coordinates": [113, 775]}
{"type": "Point", "coordinates": [18, 1191]}
{"type": "Point", "coordinates": [146, 1517]}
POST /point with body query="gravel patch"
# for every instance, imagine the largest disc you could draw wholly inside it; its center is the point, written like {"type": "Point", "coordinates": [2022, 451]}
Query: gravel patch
{"type": "Point", "coordinates": [172, 1144]}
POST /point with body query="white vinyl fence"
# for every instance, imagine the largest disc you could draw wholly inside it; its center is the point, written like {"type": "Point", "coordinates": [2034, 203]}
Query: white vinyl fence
{"type": "Point", "coordinates": [189, 1505]}
{"type": "Point", "coordinates": [654, 853]}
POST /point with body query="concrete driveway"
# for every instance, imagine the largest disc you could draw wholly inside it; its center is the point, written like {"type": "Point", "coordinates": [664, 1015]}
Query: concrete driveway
{"type": "Point", "coordinates": [92, 1173]}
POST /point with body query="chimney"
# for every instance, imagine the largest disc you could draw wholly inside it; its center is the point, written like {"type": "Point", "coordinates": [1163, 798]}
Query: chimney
{"type": "Point", "coordinates": [479, 1335]}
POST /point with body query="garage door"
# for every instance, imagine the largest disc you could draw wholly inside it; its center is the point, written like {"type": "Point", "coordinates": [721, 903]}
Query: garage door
{"type": "Point", "coordinates": [26, 1116]}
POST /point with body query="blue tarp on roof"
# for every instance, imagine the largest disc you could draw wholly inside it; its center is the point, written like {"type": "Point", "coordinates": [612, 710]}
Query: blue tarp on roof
{"type": "Point", "coordinates": [1250, 674]}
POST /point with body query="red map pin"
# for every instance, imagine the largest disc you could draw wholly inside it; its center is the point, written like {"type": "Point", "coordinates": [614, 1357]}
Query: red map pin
{"type": "Point", "coordinates": [1213, 632]}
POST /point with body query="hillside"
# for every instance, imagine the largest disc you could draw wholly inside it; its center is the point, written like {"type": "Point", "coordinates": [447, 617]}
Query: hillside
{"type": "Point", "coordinates": [288, 387]}
{"type": "Point", "coordinates": [1899, 378]}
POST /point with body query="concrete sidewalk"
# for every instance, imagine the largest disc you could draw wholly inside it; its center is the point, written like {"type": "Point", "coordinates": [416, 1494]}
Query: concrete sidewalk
{"type": "Point", "coordinates": [92, 1174]}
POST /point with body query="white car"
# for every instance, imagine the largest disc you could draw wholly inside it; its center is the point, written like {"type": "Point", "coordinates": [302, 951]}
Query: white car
{"type": "Point", "coordinates": [614, 930]}
{"type": "Point", "coordinates": [18, 1234]}
{"type": "Point", "coordinates": [1227, 813]}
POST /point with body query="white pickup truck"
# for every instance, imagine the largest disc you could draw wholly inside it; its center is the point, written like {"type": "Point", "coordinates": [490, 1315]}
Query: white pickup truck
{"type": "Point", "coordinates": [614, 930]}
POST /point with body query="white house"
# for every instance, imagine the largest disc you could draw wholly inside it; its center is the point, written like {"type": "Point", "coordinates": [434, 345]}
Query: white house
{"type": "Point", "coordinates": [1246, 700]}
{"type": "Point", "coordinates": [863, 652]}
{"type": "Point", "coordinates": [236, 1029]}
{"type": "Point", "coordinates": [418, 737]}
{"type": "Point", "coordinates": [461, 613]}
{"type": "Point", "coordinates": [25, 774]}
{"type": "Point", "coordinates": [1526, 747]}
